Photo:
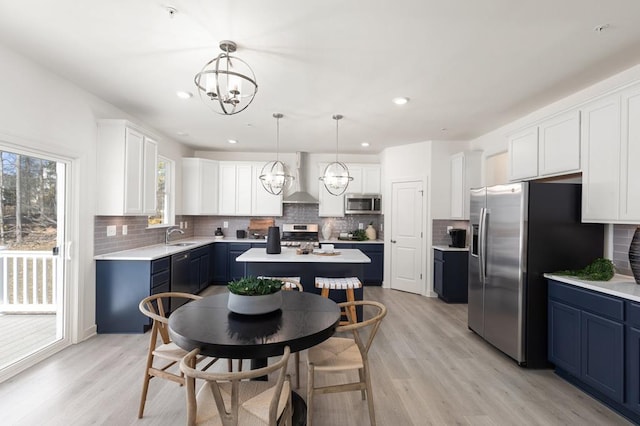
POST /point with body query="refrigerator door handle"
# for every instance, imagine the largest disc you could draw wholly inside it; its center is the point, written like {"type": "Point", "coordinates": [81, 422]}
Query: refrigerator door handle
{"type": "Point", "coordinates": [481, 246]}
{"type": "Point", "coordinates": [484, 220]}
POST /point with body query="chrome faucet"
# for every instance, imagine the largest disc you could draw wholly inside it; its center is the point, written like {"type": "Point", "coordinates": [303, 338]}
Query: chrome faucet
{"type": "Point", "coordinates": [171, 231]}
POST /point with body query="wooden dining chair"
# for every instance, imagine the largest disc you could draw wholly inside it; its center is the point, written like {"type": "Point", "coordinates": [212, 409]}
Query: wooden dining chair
{"type": "Point", "coordinates": [340, 354]}
{"type": "Point", "coordinates": [232, 399]}
{"type": "Point", "coordinates": [156, 307]}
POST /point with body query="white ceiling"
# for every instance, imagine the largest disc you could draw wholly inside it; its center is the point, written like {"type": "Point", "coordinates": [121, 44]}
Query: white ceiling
{"type": "Point", "coordinates": [467, 66]}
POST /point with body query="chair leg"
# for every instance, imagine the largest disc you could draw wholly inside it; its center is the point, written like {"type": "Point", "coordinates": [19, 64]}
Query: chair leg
{"type": "Point", "coordinates": [296, 359]}
{"type": "Point", "coordinates": [367, 378]}
{"type": "Point", "coordinates": [310, 385]}
{"type": "Point", "coordinates": [143, 397]}
{"type": "Point", "coordinates": [362, 380]}
{"type": "Point", "coordinates": [352, 309]}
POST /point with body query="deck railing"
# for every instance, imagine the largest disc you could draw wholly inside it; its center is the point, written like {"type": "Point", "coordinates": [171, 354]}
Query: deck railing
{"type": "Point", "coordinates": [28, 281]}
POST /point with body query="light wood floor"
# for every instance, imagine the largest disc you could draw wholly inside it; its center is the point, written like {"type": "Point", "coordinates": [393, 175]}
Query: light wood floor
{"type": "Point", "coordinates": [427, 369]}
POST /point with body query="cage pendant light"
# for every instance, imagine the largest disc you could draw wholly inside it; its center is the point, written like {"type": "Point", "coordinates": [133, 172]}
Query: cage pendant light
{"type": "Point", "coordinates": [226, 83]}
{"type": "Point", "coordinates": [275, 176]}
{"type": "Point", "coordinates": [336, 176]}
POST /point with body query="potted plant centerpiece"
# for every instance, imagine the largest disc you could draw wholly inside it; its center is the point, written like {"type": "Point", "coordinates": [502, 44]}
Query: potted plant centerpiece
{"type": "Point", "coordinates": [254, 296]}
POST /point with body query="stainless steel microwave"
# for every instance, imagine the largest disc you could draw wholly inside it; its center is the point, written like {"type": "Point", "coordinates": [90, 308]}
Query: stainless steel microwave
{"type": "Point", "coordinates": [362, 204]}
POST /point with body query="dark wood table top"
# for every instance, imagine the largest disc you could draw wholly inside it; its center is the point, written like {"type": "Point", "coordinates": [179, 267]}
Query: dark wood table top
{"type": "Point", "coordinates": [304, 320]}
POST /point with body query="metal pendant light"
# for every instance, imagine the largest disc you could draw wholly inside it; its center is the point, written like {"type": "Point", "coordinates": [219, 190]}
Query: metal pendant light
{"type": "Point", "coordinates": [275, 176]}
{"type": "Point", "coordinates": [336, 176]}
{"type": "Point", "coordinates": [226, 83]}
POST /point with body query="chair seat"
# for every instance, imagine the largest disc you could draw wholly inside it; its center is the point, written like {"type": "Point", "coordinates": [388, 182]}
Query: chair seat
{"type": "Point", "coordinates": [254, 411]}
{"type": "Point", "coordinates": [338, 283]}
{"type": "Point", "coordinates": [169, 351]}
{"type": "Point", "coordinates": [335, 354]}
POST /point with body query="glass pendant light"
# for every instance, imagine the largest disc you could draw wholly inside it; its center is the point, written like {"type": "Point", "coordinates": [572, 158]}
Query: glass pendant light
{"type": "Point", "coordinates": [336, 176]}
{"type": "Point", "coordinates": [275, 176]}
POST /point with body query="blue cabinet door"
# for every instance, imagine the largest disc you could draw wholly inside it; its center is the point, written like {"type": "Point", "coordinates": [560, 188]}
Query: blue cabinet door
{"type": "Point", "coordinates": [236, 269]}
{"type": "Point", "coordinates": [438, 276]}
{"type": "Point", "coordinates": [374, 271]}
{"type": "Point", "coordinates": [603, 355]}
{"type": "Point", "coordinates": [564, 337]}
{"type": "Point", "coordinates": [632, 375]}
{"type": "Point", "coordinates": [220, 266]}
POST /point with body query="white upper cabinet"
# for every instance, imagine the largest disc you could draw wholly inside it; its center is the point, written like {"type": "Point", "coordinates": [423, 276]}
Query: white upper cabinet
{"type": "Point", "coordinates": [600, 133]}
{"type": "Point", "coordinates": [465, 174]}
{"type": "Point", "coordinates": [560, 144]}
{"type": "Point", "coordinates": [523, 154]}
{"type": "Point", "coordinates": [242, 194]}
{"type": "Point", "coordinates": [611, 152]}
{"type": "Point", "coordinates": [126, 169]}
{"type": "Point", "coordinates": [549, 148]}
{"type": "Point", "coordinates": [263, 203]}
{"type": "Point", "coordinates": [329, 205]}
{"type": "Point", "coordinates": [366, 179]}
{"type": "Point", "coordinates": [199, 186]}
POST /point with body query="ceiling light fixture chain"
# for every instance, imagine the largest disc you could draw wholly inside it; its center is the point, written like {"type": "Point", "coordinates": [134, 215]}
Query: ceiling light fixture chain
{"type": "Point", "coordinates": [226, 83]}
{"type": "Point", "coordinates": [275, 176]}
{"type": "Point", "coordinates": [336, 175]}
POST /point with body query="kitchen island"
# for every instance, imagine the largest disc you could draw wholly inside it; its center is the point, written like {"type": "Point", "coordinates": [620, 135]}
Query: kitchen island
{"type": "Point", "coordinates": [347, 263]}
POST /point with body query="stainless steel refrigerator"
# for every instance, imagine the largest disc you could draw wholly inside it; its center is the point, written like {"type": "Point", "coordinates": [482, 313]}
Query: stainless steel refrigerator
{"type": "Point", "coordinates": [518, 232]}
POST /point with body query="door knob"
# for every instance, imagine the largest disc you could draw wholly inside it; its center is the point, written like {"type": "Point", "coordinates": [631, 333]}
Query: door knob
{"type": "Point", "coordinates": [393, 241]}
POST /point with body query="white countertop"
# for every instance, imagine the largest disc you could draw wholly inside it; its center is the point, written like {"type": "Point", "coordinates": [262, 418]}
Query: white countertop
{"type": "Point", "coordinates": [620, 285]}
{"type": "Point", "coordinates": [337, 241]}
{"type": "Point", "coordinates": [447, 248]}
{"type": "Point", "coordinates": [289, 255]}
{"type": "Point", "coordinates": [156, 251]}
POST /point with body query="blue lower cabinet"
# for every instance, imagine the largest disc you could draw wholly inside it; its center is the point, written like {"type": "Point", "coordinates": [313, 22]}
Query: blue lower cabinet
{"type": "Point", "coordinates": [236, 269]}
{"type": "Point", "coordinates": [564, 337]}
{"type": "Point", "coordinates": [603, 355]}
{"type": "Point", "coordinates": [594, 342]}
{"type": "Point", "coordinates": [374, 271]}
{"type": "Point", "coordinates": [220, 264]}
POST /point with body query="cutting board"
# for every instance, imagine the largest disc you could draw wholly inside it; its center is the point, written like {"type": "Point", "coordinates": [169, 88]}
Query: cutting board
{"type": "Point", "coordinates": [260, 225]}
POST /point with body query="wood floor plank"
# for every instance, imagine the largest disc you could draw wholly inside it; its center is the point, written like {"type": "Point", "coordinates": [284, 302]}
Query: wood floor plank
{"type": "Point", "coordinates": [427, 369]}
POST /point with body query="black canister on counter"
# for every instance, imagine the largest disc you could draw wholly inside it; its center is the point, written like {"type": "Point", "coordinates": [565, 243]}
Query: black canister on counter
{"type": "Point", "coordinates": [273, 240]}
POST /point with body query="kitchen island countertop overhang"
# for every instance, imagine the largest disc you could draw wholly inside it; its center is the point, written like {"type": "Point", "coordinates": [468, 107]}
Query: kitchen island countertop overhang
{"type": "Point", "coordinates": [289, 255]}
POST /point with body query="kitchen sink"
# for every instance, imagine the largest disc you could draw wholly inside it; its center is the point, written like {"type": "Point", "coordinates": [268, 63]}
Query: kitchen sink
{"type": "Point", "coordinates": [181, 244]}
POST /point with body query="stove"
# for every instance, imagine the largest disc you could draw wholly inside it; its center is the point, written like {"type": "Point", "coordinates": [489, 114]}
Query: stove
{"type": "Point", "coordinates": [294, 235]}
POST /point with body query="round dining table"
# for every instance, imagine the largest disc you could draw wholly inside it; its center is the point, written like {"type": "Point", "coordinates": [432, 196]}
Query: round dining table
{"type": "Point", "coordinates": [303, 321]}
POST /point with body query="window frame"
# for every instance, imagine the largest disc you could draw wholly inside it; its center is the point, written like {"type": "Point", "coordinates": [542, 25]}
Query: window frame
{"type": "Point", "coordinates": [169, 216]}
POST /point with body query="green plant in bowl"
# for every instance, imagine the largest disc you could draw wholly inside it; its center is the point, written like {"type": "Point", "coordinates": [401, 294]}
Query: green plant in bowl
{"type": "Point", "coordinates": [252, 286]}
{"type": "Point", "coordinates": [360, 235]}
{"type": "Point", "coordinates": [600, 269]}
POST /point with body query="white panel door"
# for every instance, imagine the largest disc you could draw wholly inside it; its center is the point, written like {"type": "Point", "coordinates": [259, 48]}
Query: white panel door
{"type": "Point", "coordinates": [406, 236]}
{"type": "Point", "coordinates": [523, 155]}
{"type": "Point", "coordinates": [600, 138]}
{"type": "Point", "coordinates": [133, 171]}
{"type": "Point", "coordinates": [560, 144]}
{"type": "Point", "coordinates": [630, 156]}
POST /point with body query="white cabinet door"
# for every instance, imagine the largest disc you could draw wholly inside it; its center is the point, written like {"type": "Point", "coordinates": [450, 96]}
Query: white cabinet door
{"type": "Point", "coordinates": [199, 186]}
{"type": "Point", "coordinates": [600, 136]}
{"type": "Point", "coordinates": [458, 193]}
{"type": "Point", "coordinates": [357, 184]}
{"type": "Point", "coordinates": [244, 185]}
{"type": "Point", "coordinates": [523, 155]}
{"type": "Point", "coordinates": [150, 180]}
{"type": "Point", "coordinates": [560, 144]}
{"type": "Point", "coordinates": [371, 180]}
{"type": "Point", "coordinates": [329, 205]}
{"type": "Point", "coordinates": [630, 156]}
{"type": "Point", "coordinates": [227, 189]}
{"type": "Point", "coordinates": [133, 171]}
{"type": "Point", "coordinates": [264, 203]}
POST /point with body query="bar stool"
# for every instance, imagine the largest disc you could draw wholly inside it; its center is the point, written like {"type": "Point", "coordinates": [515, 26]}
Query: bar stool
{"type": "Point", "coordinates": [345, 284]}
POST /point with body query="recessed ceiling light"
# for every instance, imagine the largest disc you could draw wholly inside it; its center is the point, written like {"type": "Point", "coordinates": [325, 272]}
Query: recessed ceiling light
{"type": "Point", "coordinates": [443, 129]}
{"type": "Point", "coordinates": [400, 100]}
{"type": "Point", "coordinates": [184, 95]}
{"type": "Point", "coordinates": [600, 28]}
{"type": "Point", "coordinates": [232, 141]}
{"type": "Point", "coordinates": [365, 144]}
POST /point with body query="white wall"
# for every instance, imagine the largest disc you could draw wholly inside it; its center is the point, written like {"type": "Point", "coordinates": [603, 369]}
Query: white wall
{"type": "Point", "coordinates": [43, 113]}
{"type": "Point", "coordinates": [407, 162]}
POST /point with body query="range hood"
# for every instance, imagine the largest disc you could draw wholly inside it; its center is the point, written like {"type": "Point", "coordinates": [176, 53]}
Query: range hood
{"type": "Point", "coordinates": [300, 196]}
